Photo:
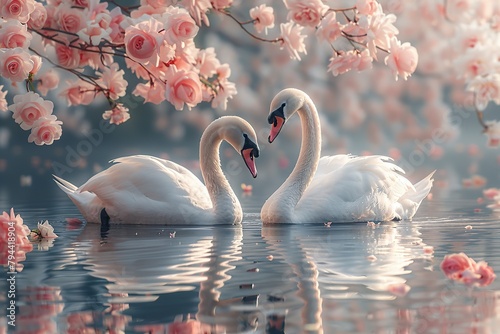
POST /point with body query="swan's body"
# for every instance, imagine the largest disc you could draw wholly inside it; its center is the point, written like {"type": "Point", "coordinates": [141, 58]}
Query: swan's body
{"type": "Point", "coordinates": [142, 189]}
{"type": "Point", "coordinates": [340, 188]}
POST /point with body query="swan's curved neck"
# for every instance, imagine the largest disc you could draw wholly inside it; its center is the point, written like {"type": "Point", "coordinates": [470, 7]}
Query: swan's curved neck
{"type": "Point", "coordinates": [290, 192]}
{"type": "Point", "coordinates": [226, 206]}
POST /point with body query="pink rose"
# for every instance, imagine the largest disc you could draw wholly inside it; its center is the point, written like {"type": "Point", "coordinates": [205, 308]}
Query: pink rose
{"type": "Point", "coordinates": [14, 34]}
{"type": "Point", "coordinates": [117, 34]}
{"type": "Point", "coordinates": [67, 56]}
{"type": "Point", "coordinates": [37, 63]}
{"type": "Point", "coordinates": [330, 29]}
{"type": "Point", "coordinates": [93, 34]}
{"type": "Point", "coordinates": [143, 40]}
{"type": "Point", "coordinates": [38, 17]}
{"type": "Point", "coordinates": [69, 18]}
{"type": "Point", "coordinates": [154, 94]}
{"type": "Point", "coordinates": [198, 10]}
{"type": "Point", "coordinates": [45, 130]}
{"type": "Point", "coordinates": [28, 108]}
{"type": "Point", "coordinates": [3, 101]}
{"type": "Point", "coordinates": [112, 80]}
{"type": "Point", "coordinates": [220, 4]}
{"type": "Point", "coordinates": [47, 81]}
{"type": "Point", "coordinates": [306, 12]}
{"type": "Point", "coordinates": [183, 87]}
{"type": "Point", "coordinates": [117, 115]}
{"type": "Point", "coordinates": [207, 62]}
{"type": "Point", "coordinates": [263, 17]}
{"type": "Point", "coordinates": [454, 264]}
{"type": "Point", "coordinates": [402, 60]}
{"type": "Point", "coordinates": [17, 9]}
{"type": "Point", "coordinates": [15, 64]}
{"type": "Point", "coordinates": [292, 39]}
{"type": "Point", "coordinates": [22, 245]}
{"type": "Point", "coordinates": [179, 25]}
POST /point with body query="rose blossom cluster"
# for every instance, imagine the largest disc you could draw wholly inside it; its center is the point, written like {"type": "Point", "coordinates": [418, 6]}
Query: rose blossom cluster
{"type": "Point", "coordinates": [357, 35]}
{"type": "Point", "coordinates": [460, 267]}
{"type": "Point", "coordinates": [14, 246]}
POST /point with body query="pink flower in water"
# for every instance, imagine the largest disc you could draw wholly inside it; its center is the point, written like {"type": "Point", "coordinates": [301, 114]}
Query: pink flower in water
{"type": "Point", "coordinates": [28, 108]}
{"type": "Point", "coordinates": [263, 17]}
{"type": "Point", "coordinates": [491, 193]}
{"type": "Point", "coordinates": [179, 25]}
{"type": "Point", "coordinates": [454, 264]}
{"type": "Point", "coordinates": [485, 273]}
{"type": "Point", "coordinates": [292, 39]}
{"type": "Point", "coordinates": [306, 12]}
{"type": "Point", "coordinates": [43, 230]}
{"type": "Point", "coordinates": [493, 133]}
{"type": "Point", "coordinates": [398, 289]}
{"type": "Point", "coordinates": [14, 34]}
{"type": "Point", "coordinates": [183, 87]}
{"type": "Point", "coordinates": [45, 130]}
{"type": "Point", "coordinates": [486, 89]}
{"type": "Point", "coordinates": [38, 17]}
{"type": "Point", "coordinates": [15, 64]}
{"type": "Point", "coordinates": [118, 115]}
{"type": "Point", "coordinates": [330, 29]}
{"type": "Point", "coordinates": [14, 242]}
{"type": "Point", "coordinates": [143, 41]}
{"type": "Point", "coordinates": [47, 81]}
{"type": "Point", "coordinates": [17, 9]}
{"type": "Point", "coordinates": [402, 60]}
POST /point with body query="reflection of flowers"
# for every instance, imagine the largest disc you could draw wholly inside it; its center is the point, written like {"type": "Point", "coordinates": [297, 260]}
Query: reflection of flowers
{"type": "Point", "coordinates": [44, 230]}
{"type": "Point", "coordinates": [14, 242]}
{"type": "Point", "coordinates": [180, 325]}
{"type": "Point", "coordinates": [44, 244]}
{"type": "Point", "coordinates": [40, 306]}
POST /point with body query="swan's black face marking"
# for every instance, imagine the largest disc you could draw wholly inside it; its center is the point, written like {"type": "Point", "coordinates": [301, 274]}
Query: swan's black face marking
{"type": "Point", "coordinates": [277, 119]}
{"type": "Point", "coordinates": [250, 151]}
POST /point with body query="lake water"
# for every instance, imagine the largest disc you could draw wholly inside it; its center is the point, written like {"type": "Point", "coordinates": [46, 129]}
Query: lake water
{"type": "Point", "coordinates": [254, 279]}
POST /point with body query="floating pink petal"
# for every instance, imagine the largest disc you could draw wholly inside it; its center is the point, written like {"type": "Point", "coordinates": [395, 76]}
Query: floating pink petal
{"type": "Point", "coordinates": [398, 289]}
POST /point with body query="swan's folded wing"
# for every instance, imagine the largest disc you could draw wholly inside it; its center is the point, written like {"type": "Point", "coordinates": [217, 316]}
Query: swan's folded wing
{"type": "Point", "coordinates": [346, 185]}
{"type": "Point", "coordinates": [142, 178]}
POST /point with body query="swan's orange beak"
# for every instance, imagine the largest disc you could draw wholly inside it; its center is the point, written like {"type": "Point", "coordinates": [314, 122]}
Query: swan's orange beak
{"type": "Point", "coordinates": [276, 128]}
{"type": "Point", "coordinates": [247, 155]}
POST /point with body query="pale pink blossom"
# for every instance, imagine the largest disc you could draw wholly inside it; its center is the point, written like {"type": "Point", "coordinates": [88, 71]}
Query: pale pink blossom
{"type": "Point", "coordinates": [292, 39]}
{"type": "Point", "coordinates": [151, 93]}
{"type": "Point", "coordinates": [460, 10]}
{"type": "Point", "coordinates": [28, 108]}
{"type": "Point", "coordinates": [14, 34]}
{"type": "Point", "coordinates": [486, 89]}
{"type": "Point", "coordinates": [137, 68]}
{"type": "Point", "coordinates": [45, 130]}
{"type": "Point", "coordinates": [43, 230]}
{"type": "Point", "coordinates": [179, 25]}
{"type": "Point", "coordinates": [67, 56]}
{"type": "Point", "coordinates": [183, 87]}
{"type": "Point", "coordinates": [15, 64]}
{"type": "Point", "coordinates": [221, 4]}
{"type": "Point", "coordinates": [117, 33]}
{"type": "Point", "coordinates": [428, 249]}
{"type": "Point", "coordinates": [492, 132]}
{"type": "Point", "coordinates": [485, 272]}
{"type": "Point", "coordinates": [225, 91]}
{"type": "Point", "coordinates": [306, 12]}
{"type": "Point", "coordinates": [380, 31]}
{"type": "Point", "coordinates": [398, 289]}
{"type": "Point", "coordinates": [491, 193]}
{"type": "Point", "coordinates": [113, 81]}
{"type": "Point", "coordinates": [330, 29]}
{"type": "Point", "coordinates": [13, 223]}
{"type": "Point", "coordinates": [263, 17]}
{"type": "Point", "coordinates": [17, 9]}
{"type": "Point", "coordinates": [476, 61]}
{"type": "Point", "coordinates": [118, 115]}
{"type": "Point", "coordinates": [47, 81]}
{"type": "Point", "coordinates": [78, 93]}
{"type": "Point", "coordinates": [198, 10]}
{"type": "Point", "coordinates": [69, 18]}
{"type": "Point", "coordinates": [37, 64]}
{"type": "Point", "coordinates": [143, 40]}
{"type": "Point", "coordinates": [3, 101]}
{"type": "Point", "coordinates": [351, 60]}
{"type": "Point", "coordinates": [157, 3]}
{"type": "Point", "coordinates": [38, 17]}
{"type": "Point", "coordinates": [402, 60]}
{"type": "Point", "coordinates": [367, 7]}
{"type": "Point", "coordinates": [207, 62]}
{"type": "Point", "coordinates": [93, 33]}
{"type": "Point", "coordinates": [468, 227]}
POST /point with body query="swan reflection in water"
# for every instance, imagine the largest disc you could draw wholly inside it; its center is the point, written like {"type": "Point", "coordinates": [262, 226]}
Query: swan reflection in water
{"type": "Point", "coordinates": [223, 280]}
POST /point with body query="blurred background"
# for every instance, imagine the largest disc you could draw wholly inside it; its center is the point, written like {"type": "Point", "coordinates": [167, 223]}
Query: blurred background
{"type": "Point", "coordinates": [361, 113]}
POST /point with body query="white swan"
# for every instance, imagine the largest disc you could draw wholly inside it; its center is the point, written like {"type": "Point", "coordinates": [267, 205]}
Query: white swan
{"type": "Point", "coordinates": [340, 188]}
{"type": "Point", "coordinates": [142, 189]}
